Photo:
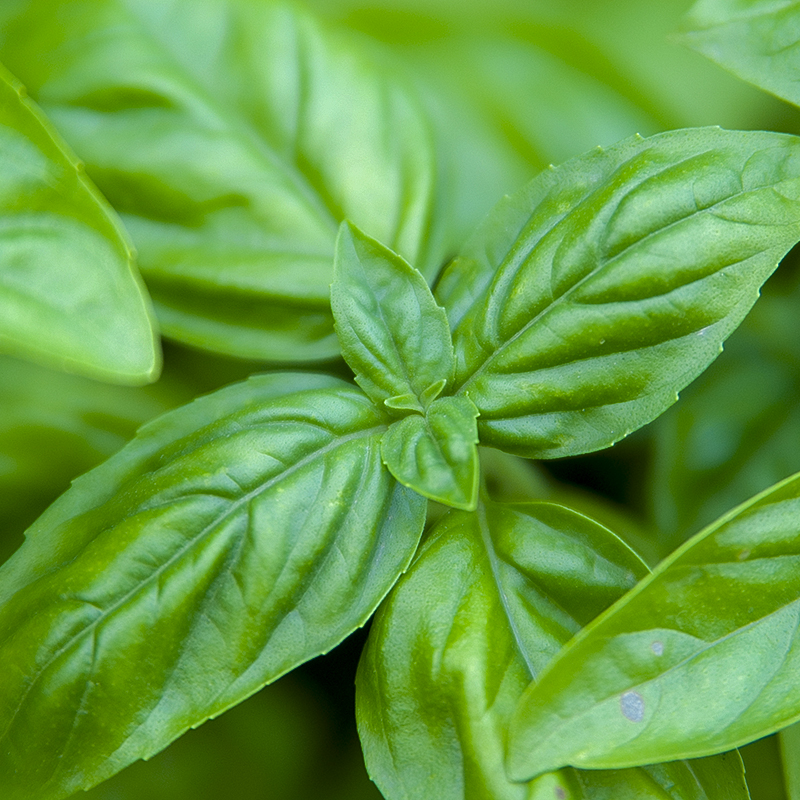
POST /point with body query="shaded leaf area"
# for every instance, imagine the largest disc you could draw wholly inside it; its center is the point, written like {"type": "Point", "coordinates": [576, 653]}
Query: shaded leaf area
{"type": "Point", "coordinates": [70, 296]}
{"type": "Point", "coordinates": [437, 454]}
{"type": "Point", "coordinates": [233, 539]}
{"type": "Point", "coordinates": [490, 599]}
{"type": "Point", "coordinates": [736, 429]}
{"type": "Point", "coordinates": [758, 40]}
{"type": "Point", "coordinates": [256, 133]}
{"type": "Point", "coordinates": [587, 300]}
{"type": "Point", "coordinates": [392, 333]}
{"type": "Point", "coordinates": [790, 757]}
{"type": "Point", "coordinates": [699, 658]}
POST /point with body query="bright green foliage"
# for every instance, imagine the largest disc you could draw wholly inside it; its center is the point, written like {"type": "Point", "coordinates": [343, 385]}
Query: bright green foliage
{"type": "Point", "coordinates": [177, 579]}
{"type": "Point", "coordinates": [758, 40]}
{"type": "Point", "coordinates": [256, 134]}
{"type": "Point", "coordinates": [649, 682]}
{"type": "Point", "coordinates": [70, 296]}
{"type": "Point", "coordinates": [435, 454]}
{"type": "Point", "coordinates": [584, 303]}
{"type": "Point", "coordinates": [489, 601]}
{"type": "Point", "coordinates": [392, 334]}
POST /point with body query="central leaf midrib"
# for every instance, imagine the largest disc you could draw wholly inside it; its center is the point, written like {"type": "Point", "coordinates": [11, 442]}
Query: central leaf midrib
{"type": "Point", "coordinates": [196, 539]}
{"type": "Point", "coordinates": [607, 263]}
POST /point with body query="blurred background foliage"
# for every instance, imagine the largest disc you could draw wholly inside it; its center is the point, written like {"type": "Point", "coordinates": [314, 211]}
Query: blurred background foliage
{"type": "Point", "coordinates": [510, 86]}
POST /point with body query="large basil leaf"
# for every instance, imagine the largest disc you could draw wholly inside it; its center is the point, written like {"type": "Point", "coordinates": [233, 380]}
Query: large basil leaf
{"type": "Point", "coordinates": [758, 40]}
{"type": "Point", "coordinates": [231, 540]}
{"type": "Point", "coordinates": [702, 656]}
{"type": "Point", "coordinates": [392, 334]}
{"type": "Point", "coordinates": [70, 296]}
{"type": "Point", "coordinates": [736, 429]}
{"type": "Point", "coordinates": [233, 137]}
{"type": "Point", "coordinates": [586, 301]}
{"type": "Point", "coordinates": [488, 602]}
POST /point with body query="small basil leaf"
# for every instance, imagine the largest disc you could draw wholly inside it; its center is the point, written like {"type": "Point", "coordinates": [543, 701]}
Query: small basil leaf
{"type": "Point", "coordinates": [756, 40]}
{"type": "Point", "coordinates": [701, 657]}
{"type": "Point", "coordinates": [392, 333]}
{"type": "Point", "coordinates": [233, 539]}
{"type": "Point", "coordinates": [256, 133]}
{"type": "Point", "coordinates": [488, 602]}
{"type": "Point", "coordinates": [70, 296]}
{"type": "Point", "coordinates": [436, 454]}
{"type": "Point", "coordinates": [587, 301]}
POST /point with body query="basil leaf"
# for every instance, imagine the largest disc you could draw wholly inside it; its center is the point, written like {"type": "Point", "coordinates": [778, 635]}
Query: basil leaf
{"type": "Point", "coordinates": [756, 40]}
{"type": "Point", "coordinates": [233, 539]}
{"type": "Point", "coordinates": [256, 133]}
{"type": "Point", "coordinates": [585, 302]}
{"type": "Point", "coordinates": [436, 454]}
{"type": "Point", "coordinates": [699, 658]}
{"type": "Point", "coordinates": [392, 334]}
{"type": "Point", "coordinates": [70, 296]}
{"type": "Point", "coordinates": [488, 602]}
{"type": "Point", "coordinates": [733, 434]}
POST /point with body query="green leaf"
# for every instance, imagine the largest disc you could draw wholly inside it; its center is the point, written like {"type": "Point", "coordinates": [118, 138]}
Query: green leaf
{"type": "Point", "coordinates": [233, 539]}
{"type": "Point", "coordinates": [392, 334]}
{"type": "Point", "coordinates": [700, 657]}
{"type": "Point", "coordinates": [790, 755]}
{"type": "Point", "coordinates": [584, 303]}
{"type": "Point", "coordinates": [70, 296]}
{"type": "Point", "coordinates": [256, 133]}
{"type": "Point", "coordinates": [757, 40]}
{"type": "Point", "coordinates": [436, 454]}
{"type": "Point", "coordinates": [488, 602]}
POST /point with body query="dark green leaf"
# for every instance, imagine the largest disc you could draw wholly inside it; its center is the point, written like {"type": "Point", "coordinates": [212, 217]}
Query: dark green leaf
{"type": "Point", "coordinates": [790, 755]}
{"type": "Point", "coordinates": [256, 132]}
{"type": "Point", "coordinates": [758, 40]}
{"type": "Point", "coordinates": [392, 334]}
{"type": "Point", "coordinates": [70, 296]}
{"type": "Point", "coordinates": [701, 657]}
{"type": "Point", "coordinates": [490, 599]}
{"type": "Point", "coordinates": [436, 454]}
{"type": "Point", "coordinates": [231, 540]}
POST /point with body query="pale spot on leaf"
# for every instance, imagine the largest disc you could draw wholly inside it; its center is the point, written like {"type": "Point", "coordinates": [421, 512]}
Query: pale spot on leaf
{"type": "Point", "coordinates": [632, 706]}
{"type": "Point", "coordinates": [743, 555]}
{"type": "Point", "coordinates": [657, 648]}
{"type": "Point", "coordinates": [560, 793]}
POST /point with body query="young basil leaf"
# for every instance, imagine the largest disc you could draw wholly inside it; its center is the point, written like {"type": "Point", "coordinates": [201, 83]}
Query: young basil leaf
{"type": "Point", "coordinates": [70, 296]}
{"type": "Point", "coordinates": [488, 602]}
{"type": "Point", "coordinates": [436, 454]}
{"type": "Point", "coordinates": [756, 40]}
{"type": "Point", "coordinates": [699, 658]}
{"type": "Point", "coordinates": [392, 333]}
{"type": "Point", "coordinates": [585, 302]}
{"type": "Point", "coordinates": [256, 133]}
{"type": "Point", "coordinates": [233, 539]}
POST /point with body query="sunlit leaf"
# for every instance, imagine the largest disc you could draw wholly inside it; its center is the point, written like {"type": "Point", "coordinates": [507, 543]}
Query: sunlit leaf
{"type": "Point", "coordinates": [585, 302]}
{"type": "Point", "coordinates": [256, 132]}
{"type": "Point", "coordinates": [70, 296]}
{"type": "Point", "coordinates": [233, 539]}
{"type": "Point", "coordinates": [700, 657]}
{"type": "Point", "coordinates": [488, 602]}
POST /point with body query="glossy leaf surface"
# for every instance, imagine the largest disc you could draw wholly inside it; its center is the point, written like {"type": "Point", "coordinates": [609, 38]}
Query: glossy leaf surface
{"type": "Point", "coordinates": [70, 296]}
{"type": "Point", "coordinates": [436, 454]}
{"type": "Point", "coordinates": [758, 40]}
{"type": "Point", "coordinates": [233, 539]}
{"type": "Point", "coordinates": [699, 658]}
{"type": "Point", "coordinates": [392, 333]}
{"type": "Point", "coordinates": [256, 133]}
{"type": "Point", "coordinates": [584, 303]}
{"type": "Point", "coordinates": [488, 602]}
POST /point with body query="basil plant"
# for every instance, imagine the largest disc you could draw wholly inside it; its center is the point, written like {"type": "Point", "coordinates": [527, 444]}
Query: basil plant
{"type": "Point", "coordinates": [294, 203]}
